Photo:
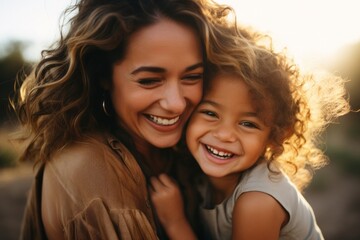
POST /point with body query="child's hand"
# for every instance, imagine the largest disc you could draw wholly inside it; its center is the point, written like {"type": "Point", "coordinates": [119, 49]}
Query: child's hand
{"type": "Point", "coordinates": [167, 199]}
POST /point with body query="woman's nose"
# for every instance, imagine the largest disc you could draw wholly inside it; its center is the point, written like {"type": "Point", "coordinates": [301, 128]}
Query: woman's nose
{"type": "Point", "coordinates": [173, 99]}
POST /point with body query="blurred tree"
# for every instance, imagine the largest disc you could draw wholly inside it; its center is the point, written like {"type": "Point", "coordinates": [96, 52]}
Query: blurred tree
{"type": "Point", "coordinates": [11, 63]}
{"type": "Point", "coordinates": [343, 139]}
{"type": "Point", "coordinates": [348, 66]}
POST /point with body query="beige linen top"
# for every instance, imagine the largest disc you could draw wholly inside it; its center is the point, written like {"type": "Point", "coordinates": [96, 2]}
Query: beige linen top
{"type": "Point", "coordinates": [93, 189]}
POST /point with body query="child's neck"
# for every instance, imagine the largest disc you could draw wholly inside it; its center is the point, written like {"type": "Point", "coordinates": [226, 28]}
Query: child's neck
{"type": "Point", "coordinates": [223, 187]}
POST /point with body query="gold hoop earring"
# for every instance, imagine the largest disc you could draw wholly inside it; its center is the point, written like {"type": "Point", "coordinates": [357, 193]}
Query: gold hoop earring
{"type": "Point", "coordinates": [104, 108]}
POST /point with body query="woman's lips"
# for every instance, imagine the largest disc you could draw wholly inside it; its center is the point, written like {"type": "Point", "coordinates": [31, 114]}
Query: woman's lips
{"type": "Point", "coordinates": [164, 124]}
{"type": "Point", "coordinates": [163, 121]}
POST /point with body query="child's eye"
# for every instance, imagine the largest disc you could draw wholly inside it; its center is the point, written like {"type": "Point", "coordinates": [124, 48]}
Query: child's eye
{"type": "Point", "coordinates": [208, 113]}
{"type": "Point", "coordinates": [249, 124]}
{"type": "Point", "coordinates": [149, 82]}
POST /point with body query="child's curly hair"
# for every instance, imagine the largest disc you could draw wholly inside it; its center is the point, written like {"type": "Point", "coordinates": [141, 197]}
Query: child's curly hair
{"type": "Point", "coordinates": [295, 105]}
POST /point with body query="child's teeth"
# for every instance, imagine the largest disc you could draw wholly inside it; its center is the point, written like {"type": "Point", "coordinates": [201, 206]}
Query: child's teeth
{"type": "Point", "coordinates": [219, 153]}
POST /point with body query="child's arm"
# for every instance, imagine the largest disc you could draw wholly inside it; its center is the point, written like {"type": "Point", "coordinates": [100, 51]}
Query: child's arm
{"type": "Point", "coordinates": [167, 200]}
{"type": "Point", "coordinates": [257, 215]}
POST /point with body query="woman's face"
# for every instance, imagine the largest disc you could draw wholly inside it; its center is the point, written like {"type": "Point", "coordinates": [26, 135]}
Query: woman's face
{"type": "Point", "coordinates": [158, 83]}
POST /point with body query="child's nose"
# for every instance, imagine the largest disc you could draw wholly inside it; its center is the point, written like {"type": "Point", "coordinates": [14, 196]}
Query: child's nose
{"type": "Point", "coordinates": [225, 133]}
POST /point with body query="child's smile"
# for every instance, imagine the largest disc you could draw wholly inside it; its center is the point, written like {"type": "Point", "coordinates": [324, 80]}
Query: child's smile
{"type": "Point", "coordinates": [225, 134]}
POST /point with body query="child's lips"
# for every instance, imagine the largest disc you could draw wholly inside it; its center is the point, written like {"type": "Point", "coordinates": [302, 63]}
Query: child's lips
{"type": "Point", "coordinates": [218, 153]}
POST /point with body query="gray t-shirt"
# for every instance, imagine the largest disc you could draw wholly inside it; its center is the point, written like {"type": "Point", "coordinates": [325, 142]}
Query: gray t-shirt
{"type": "Point", "coordinates": [302, 223]}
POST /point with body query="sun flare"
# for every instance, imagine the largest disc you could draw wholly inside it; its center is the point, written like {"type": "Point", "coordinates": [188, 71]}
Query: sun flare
{"type": "Point", "coordinates": [311, 31]}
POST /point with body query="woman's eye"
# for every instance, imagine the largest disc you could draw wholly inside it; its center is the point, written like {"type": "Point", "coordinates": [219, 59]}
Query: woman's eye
{"type": "Point", "coordinates": [149, 81]}
{"type": "Point", "coordinates": [193, 77]}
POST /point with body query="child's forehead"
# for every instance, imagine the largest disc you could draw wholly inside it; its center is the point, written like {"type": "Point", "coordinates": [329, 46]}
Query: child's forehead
{"type": "Point", "coordinates": [231, 85]}
{"type": "Point", "coordinates": [224, 78]}
{"type": "Point", "coordinates": [228, 81]}
{"type": "Point", "coordinates": [229, 91]}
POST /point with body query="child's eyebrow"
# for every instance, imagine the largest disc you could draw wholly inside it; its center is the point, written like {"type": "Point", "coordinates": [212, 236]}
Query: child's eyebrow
{"type": "Point", "coordinates": [205, 101]}
{"type": "Point", "coordinates": [251, 114]}
{"type": "Point", "coordinates": [215, 104]}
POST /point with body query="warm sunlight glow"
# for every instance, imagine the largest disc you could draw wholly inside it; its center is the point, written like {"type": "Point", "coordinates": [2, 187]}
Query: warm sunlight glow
{"type": "Point", "coordinates": [312, 31]}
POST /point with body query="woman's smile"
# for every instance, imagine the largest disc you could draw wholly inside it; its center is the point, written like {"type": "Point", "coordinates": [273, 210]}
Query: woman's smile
{"type": "Point", "coordinates": [163, 121]}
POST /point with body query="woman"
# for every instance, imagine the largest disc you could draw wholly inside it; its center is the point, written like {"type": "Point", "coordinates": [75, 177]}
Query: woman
{"type": "Point", "coordinates": [105, 108]}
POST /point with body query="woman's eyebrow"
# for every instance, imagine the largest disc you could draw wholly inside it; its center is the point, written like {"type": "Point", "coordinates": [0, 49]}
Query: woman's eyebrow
{"type": "Point", "coordinates": [148, 69]}
{"type": "Point", "coordinates": [162, 70]}
{"type": "Point", "coordinates": [195, 66]}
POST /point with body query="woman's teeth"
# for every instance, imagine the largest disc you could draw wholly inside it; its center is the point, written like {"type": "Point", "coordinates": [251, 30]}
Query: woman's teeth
{"type": "Point", "coordinates": [164, 121]}
{"type": "Point", "coordinates": [217, 153]}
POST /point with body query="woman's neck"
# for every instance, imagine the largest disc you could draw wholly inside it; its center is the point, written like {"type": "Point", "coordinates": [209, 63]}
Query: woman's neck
{"type": "Point", "coordinates": [151, 159]}
{"type": "Point", "coordinates": [155, 160]}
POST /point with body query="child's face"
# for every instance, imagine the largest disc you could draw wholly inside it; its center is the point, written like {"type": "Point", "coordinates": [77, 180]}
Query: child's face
{"type": "Point", "coordinates": [225, 134]}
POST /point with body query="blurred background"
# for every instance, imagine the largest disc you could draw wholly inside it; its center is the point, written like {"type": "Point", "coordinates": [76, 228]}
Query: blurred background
{"type": "Point", "coordinates": [318, 34]}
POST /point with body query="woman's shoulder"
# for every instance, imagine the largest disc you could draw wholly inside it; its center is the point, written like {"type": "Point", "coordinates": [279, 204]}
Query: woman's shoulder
{"type": "Point", "coordinates": [80, 152]}
{"type": "Point", "coordinates": [96, 157]}
{"type": "Point", "coordinates": [87, 168]}
{"type": "Point", "coordinates": [88, 178]}
{"type": "Point", "coordinates": [84, 160]}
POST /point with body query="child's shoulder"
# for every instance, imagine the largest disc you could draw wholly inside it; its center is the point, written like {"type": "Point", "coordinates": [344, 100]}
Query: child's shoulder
{"type": "Point", "coordinates": [263, 174]}
{"type": "Point", "coordinates": [272, 182]}
{"type": "Point", "coordinates": [278, 186]}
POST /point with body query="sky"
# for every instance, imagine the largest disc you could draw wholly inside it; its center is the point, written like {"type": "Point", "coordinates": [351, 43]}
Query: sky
{"type": "Point", "coordinates": [311, 30]}
{"type": "Point", "coordinates": [35, 22]}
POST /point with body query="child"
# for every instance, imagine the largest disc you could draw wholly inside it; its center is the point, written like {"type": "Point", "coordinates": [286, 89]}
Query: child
{"type": "Point", "coordinates": [254, 136]}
